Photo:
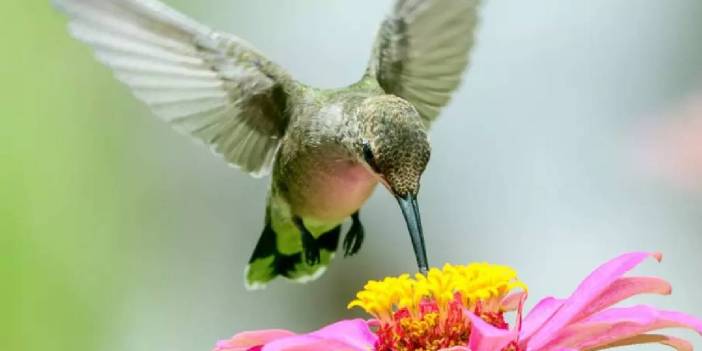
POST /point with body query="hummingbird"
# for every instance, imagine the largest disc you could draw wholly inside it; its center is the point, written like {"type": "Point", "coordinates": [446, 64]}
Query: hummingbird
{"type": "Point", "coordinates": [326, 149]}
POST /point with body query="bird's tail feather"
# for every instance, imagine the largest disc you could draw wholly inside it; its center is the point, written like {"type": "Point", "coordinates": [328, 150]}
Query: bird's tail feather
{"type": "Point", "coordinates": [268, 262]}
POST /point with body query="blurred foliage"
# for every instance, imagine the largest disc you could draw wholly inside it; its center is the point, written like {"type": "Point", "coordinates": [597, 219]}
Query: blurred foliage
{"type": "Point", "coordinates": [60, 259]}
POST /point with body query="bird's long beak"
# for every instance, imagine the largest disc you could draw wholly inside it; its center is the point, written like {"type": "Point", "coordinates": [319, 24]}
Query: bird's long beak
{"type": "Point", "coordinates": [410, 209]}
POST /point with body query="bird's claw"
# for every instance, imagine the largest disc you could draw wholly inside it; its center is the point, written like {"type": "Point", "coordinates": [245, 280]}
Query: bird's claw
{"type": "Point", "coordinates": [354, 237]}
{"type": "Point", "coordinates": [310, 249]}
{"type": "Point", "coordinates": [312, 255]}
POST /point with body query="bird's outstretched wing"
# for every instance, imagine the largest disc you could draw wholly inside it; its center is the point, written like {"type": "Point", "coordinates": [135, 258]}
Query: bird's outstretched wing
{"type": "Point", "coordinates": [422, 50]}
{"type": "Point", "coordinates": [208, 84]}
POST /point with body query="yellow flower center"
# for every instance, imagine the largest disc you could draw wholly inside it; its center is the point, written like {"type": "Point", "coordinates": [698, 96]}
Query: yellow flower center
{"type": "Point", "coordinates": [427, 312]}
{"type": "Point", "coordinates": [475, 283]}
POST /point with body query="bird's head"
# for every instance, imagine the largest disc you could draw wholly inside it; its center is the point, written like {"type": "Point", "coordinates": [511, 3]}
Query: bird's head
{"type": "Point", "coordinates": [394, 145]}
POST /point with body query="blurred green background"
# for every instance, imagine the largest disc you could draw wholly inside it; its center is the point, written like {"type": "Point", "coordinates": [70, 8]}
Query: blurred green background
{"type": "Point", "coordinates": [118, 234]}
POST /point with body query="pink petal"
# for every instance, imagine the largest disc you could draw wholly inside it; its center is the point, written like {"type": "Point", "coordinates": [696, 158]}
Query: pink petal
{"type": "Point", "coordinates": [573, 335]}
{"type": "Point", "coordinates": [676, 343]}
{"type": "Point", "coordinates": [351, 335]}
{"type": "Point", "coordinates": [625, 323]}
{"type": "Point", "coordinates": [538, 316]}
{"type": "Point", "coordinates": [624, 288]}
{"type": "Point", "coordinates": [592, 287]}
{"type": "Point", "coordinates": [512, 301]}
{"type": "Point", "coordinates": [309, 343]}
{"type": "Point", "coordinates": [485, 337]}
{"type": "Point", "coordinates": [647, 313]}
{"type": "Point", "coordinates": [246, 340]}
{"type": "Point", "coordinates": [355, 333]}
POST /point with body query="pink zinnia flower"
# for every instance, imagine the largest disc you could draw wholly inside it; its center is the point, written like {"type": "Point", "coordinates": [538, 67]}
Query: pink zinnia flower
{"type": "Point", "coordinates": [461, 309]}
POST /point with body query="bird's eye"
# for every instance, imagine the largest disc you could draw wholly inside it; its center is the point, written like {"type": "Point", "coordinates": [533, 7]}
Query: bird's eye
{"type": "Point", "coordinates": [369, 158]}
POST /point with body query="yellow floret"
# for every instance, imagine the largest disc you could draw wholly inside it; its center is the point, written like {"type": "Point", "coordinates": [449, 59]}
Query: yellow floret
{"type": "Point", "coordinates": [474, 283]}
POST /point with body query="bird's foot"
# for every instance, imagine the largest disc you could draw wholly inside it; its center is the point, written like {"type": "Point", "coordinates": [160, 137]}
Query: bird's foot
{"type": "Point", "coordinates": [310, 248]}
{"type": "Point", "coordinates": [354, 237]}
